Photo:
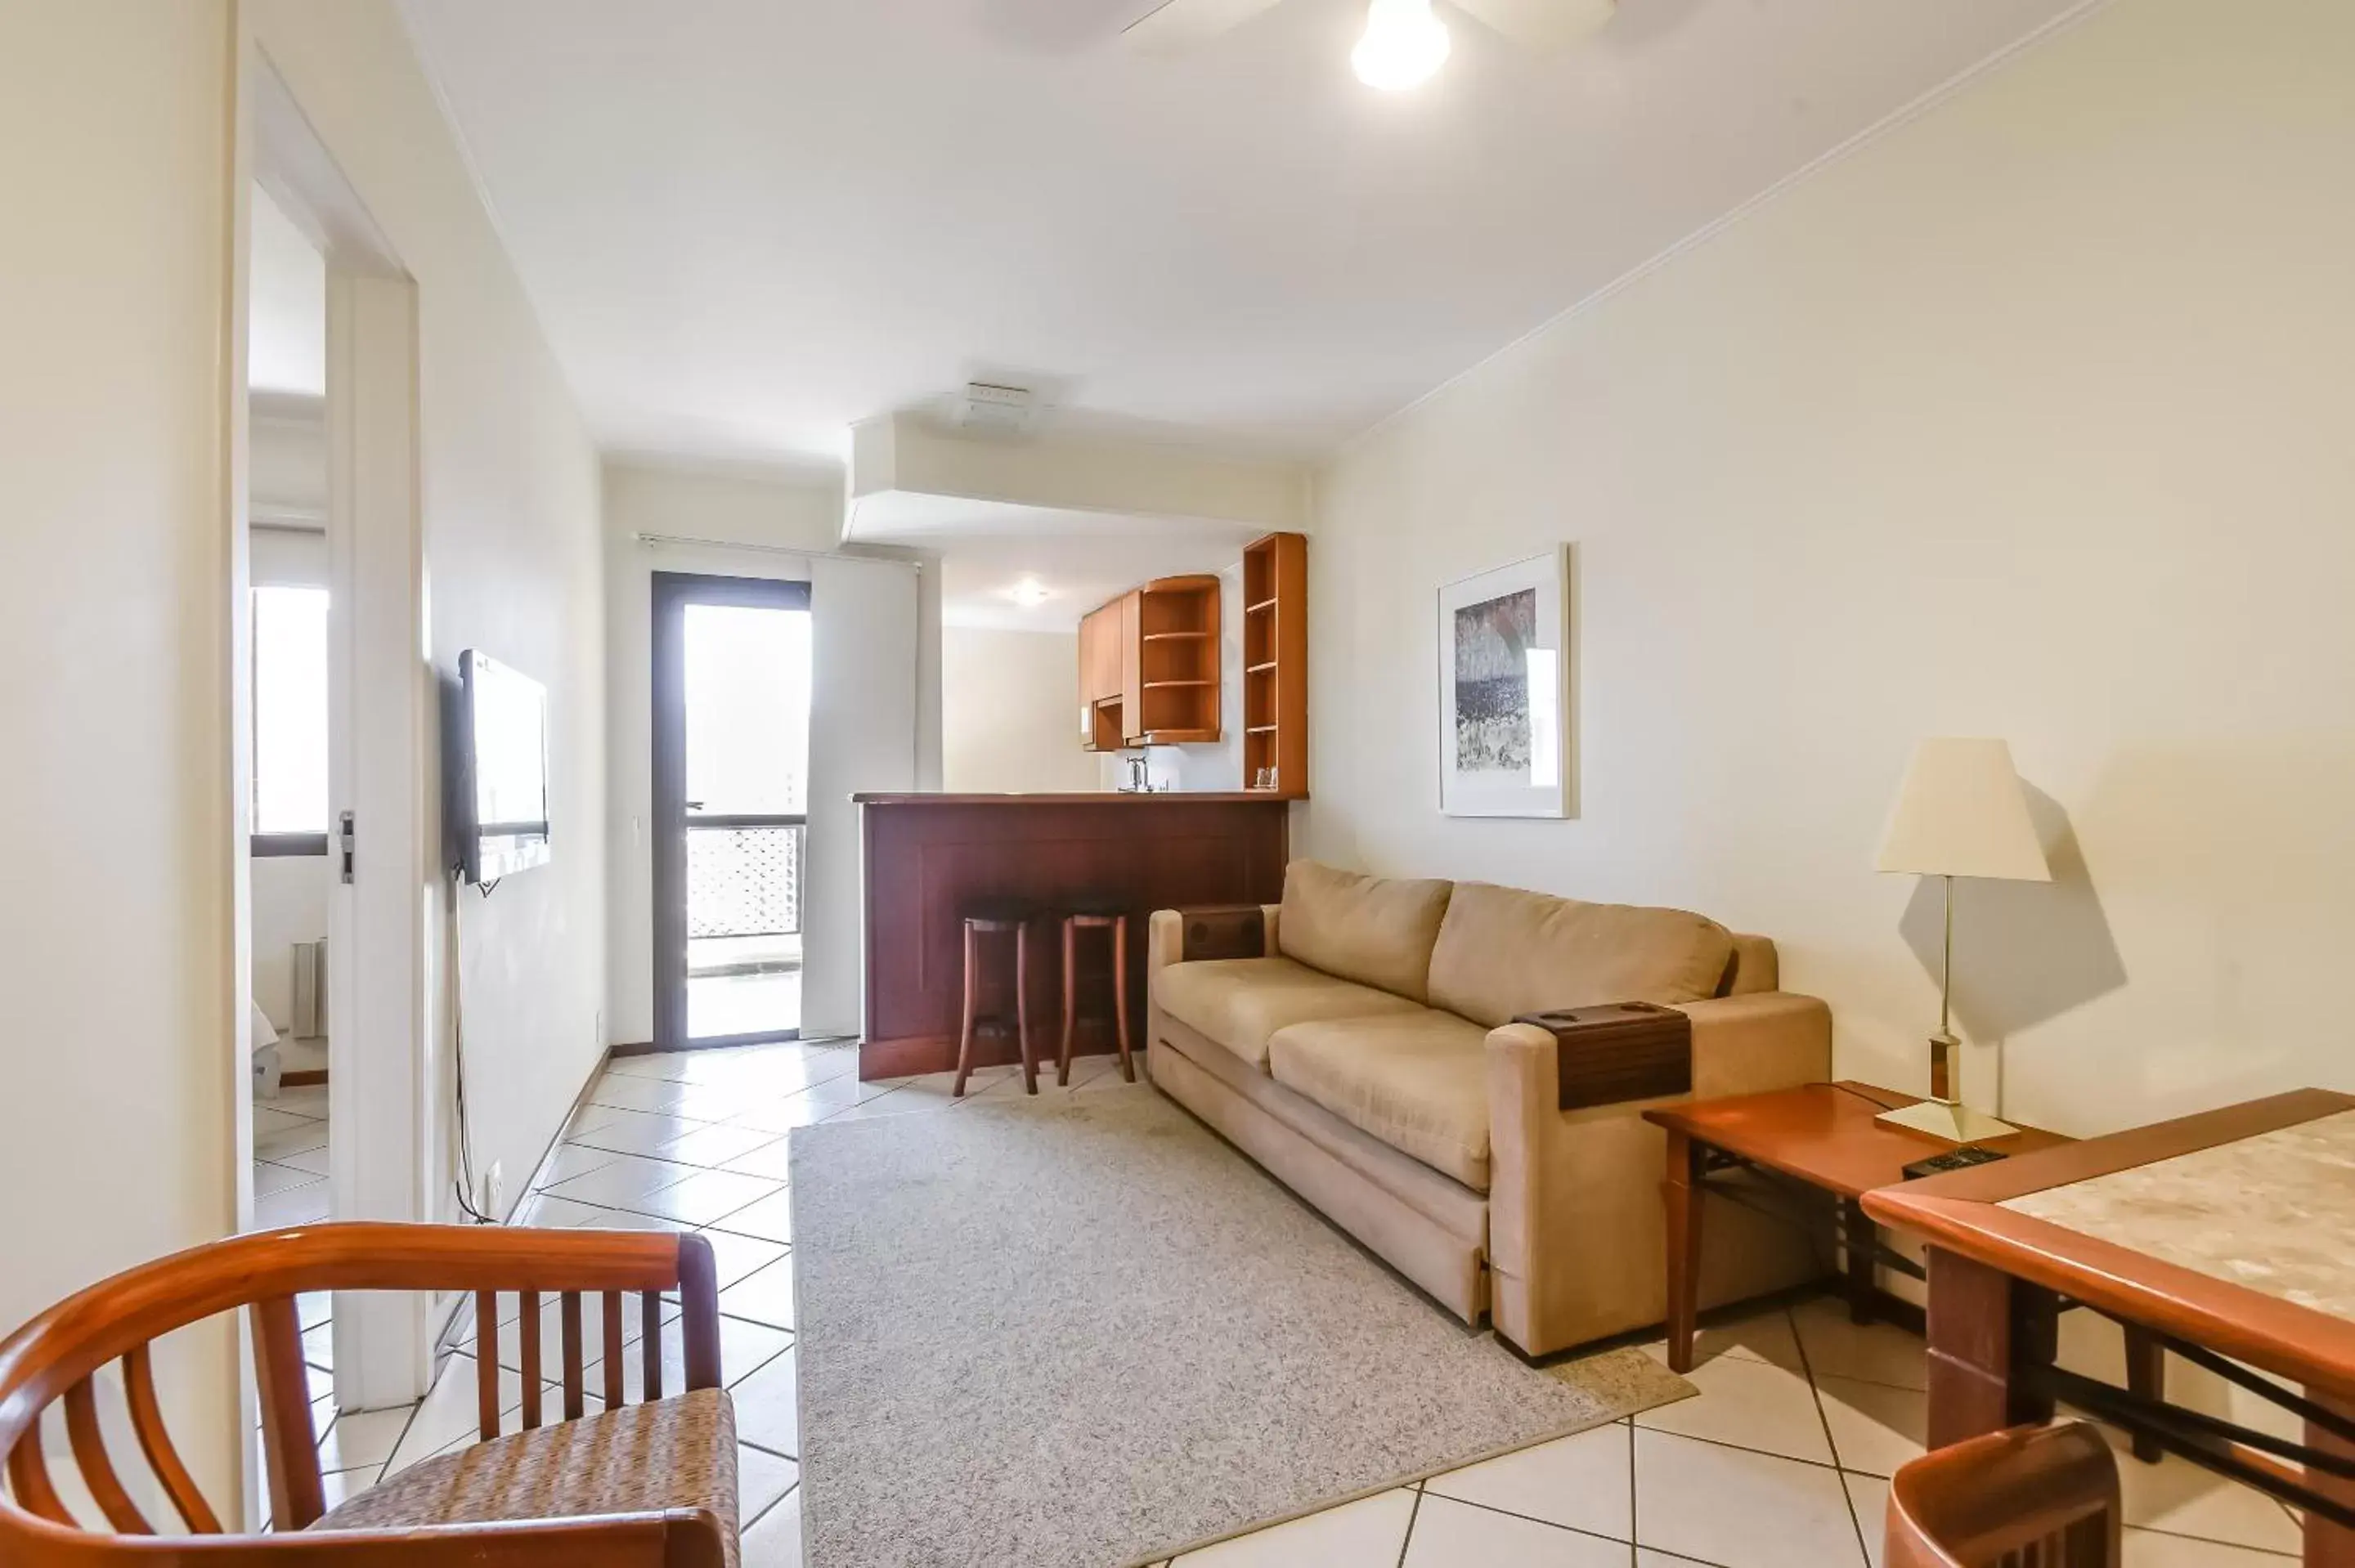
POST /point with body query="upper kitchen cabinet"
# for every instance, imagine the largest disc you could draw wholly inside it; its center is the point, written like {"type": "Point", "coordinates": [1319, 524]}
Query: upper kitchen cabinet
{"type": "Point", "coordinates": [1149, 666]}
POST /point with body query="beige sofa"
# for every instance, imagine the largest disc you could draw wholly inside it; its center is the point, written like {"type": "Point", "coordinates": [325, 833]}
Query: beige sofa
{"type": "Point", "coordinates": [1362, 1050]}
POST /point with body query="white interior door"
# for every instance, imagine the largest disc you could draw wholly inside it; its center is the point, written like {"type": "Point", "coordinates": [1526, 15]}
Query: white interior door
{"type": "Point", "coordinates": [862, 738]}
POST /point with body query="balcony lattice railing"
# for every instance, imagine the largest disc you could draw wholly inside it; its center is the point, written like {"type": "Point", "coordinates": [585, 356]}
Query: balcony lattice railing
{"type": "Point", "coordinates": [743, 880]}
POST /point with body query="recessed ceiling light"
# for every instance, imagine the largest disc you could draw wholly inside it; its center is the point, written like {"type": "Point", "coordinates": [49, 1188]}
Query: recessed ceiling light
{"type": "Point", "coordinates": [1029, 593]}
{"type": "Point", "coordinates": [1403, 46]}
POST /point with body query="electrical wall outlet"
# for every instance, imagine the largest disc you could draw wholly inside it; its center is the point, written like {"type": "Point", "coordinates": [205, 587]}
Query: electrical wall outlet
{"type": "Point", "coordinates": [494, 1200]}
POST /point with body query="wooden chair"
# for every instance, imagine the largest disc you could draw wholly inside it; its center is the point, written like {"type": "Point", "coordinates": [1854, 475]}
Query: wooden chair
{"type": "Point", "coordinates": [652, 1484]}
{"type": "Point", "coordinates": [2035, 1497]}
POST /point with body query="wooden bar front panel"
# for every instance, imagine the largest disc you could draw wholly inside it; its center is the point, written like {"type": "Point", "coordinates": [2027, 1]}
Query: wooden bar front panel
{"type": "Point", "coordinates": [929, 857]}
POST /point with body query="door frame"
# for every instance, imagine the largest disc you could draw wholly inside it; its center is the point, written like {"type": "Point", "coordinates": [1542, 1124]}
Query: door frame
{"type": "Point", "coordinates": [382, 727]}
{"type": "Point", "coordinates": [672, 593]}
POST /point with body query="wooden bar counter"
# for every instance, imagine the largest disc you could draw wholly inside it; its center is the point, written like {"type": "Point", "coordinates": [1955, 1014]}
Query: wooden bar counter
{"type": "Point", "coordinates": [927, 858]}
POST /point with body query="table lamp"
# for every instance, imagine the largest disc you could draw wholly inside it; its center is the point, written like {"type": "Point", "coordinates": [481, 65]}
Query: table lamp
{"type": "Point", "coordinates": [1961, 812]}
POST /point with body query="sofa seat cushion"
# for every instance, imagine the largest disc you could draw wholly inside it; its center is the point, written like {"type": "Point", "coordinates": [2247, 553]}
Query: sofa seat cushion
{"type": "Point", "coordinates": [1240, 1002]}
{"type": "Point", "coordinates": [1417, 1081]}
{"type": "Point", "coordinates": [1502, 952]}
{"type": "Point", "coordinates": [676, 1453]}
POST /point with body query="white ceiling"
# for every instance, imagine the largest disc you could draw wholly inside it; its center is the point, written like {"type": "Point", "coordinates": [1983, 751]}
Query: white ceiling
{"type": "Point", "coordinates": [748, 223]}
{"type": "Point", "coordinates": [1080, 569]}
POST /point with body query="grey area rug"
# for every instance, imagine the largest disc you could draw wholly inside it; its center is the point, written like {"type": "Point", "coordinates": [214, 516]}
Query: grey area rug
{"type": "Point", "coordinates": [1092, 1333]}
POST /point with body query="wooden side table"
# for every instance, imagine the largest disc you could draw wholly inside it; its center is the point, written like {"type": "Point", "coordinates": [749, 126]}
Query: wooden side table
{"type": "Point", "coordinates": [1822, 1136]}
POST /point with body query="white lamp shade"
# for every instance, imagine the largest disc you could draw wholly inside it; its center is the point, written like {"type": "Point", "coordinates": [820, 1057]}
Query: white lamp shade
{"type": "Point", "coordinates": [1964, 813]}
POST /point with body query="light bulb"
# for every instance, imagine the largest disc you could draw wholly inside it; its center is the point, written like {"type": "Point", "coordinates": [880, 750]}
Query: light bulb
{"type": "Point", "coordinates": [1029, 593]}
{"type": "Point", "coordinates": [1404, 45]}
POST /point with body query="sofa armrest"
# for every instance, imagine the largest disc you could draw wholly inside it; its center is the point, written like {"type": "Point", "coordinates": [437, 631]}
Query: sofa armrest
{"type": "Point", "coordinates": [1765, 1040]}
{"type": "Point", "coordinates": [1211, 931]}
{"type": "Point", "coordinates": [1575, 1217]}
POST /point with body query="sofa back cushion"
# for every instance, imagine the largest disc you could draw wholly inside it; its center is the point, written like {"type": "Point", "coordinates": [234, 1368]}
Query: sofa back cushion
{"type": "Point", "coordinates": [1376, 930]}
{"type": "Point", "coordinates": [1502, 951]}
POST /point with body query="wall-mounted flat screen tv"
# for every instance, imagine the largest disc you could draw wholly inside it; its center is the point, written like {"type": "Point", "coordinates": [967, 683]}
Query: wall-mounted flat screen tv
{"type": "Point", "coordinates": [499, 789]}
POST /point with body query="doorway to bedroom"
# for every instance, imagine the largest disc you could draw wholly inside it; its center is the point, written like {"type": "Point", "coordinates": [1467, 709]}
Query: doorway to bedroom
{"type": "Point", "coordinates": [731, 703]}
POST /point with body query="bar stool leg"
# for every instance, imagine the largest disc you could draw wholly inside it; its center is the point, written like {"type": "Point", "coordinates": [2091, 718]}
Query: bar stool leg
{"type": "Point", "coordinates": [1022, 1006]}
{"type": "Point", "coordinates": [972, 999]}
{"type": "Point", "coordinates": [1071, 999]}
{"type": "Point", "coordinates": [1119, 993]}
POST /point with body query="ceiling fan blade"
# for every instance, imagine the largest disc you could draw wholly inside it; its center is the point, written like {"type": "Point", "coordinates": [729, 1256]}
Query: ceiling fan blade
{"type": "Point", "coordinates": [1542, 23]}
{"type": "Point", "coordinates": [1177, 25]}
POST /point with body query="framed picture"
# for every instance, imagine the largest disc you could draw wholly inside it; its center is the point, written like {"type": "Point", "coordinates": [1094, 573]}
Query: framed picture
{"type": "Point", "coordinates": [1505, 746]}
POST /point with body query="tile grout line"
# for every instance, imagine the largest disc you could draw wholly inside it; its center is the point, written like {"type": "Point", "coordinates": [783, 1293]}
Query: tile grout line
{"type": "Point", "coordinates": [1414, 1510]}
{"type": "Point", "coordinates": [1808, 1369]}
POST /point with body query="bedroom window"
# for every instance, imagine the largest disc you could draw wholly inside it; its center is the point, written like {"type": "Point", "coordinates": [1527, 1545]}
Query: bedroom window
{"type": "Point", "coordinates": [290, 720]}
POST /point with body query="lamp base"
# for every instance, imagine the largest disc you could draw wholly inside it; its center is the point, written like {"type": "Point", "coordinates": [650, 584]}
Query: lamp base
{"type": "Point", "coordinates": [1954, 1122]}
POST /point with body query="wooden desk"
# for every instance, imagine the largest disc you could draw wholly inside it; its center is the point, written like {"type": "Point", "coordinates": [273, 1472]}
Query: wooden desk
{"type": "Point", "coordinates": [2230, 1233]}
{"type": "Point", "coordinates": [1822, 1135]}
{"type": "Point", "coordinates": [927, 857]}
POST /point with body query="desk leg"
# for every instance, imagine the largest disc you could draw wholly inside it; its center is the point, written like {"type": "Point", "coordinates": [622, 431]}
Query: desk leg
{"type": "Point", "coordinates": [1857, 1235]}
{"type": "Point", "coordinates": [1986, 1330]}
{"type": "Point", "coordinates": [2328, 1546]}
{"type": "Point", "coordinates": [1683, 1196]}
{"type": "Point", "coordinates": [2146, 1379]}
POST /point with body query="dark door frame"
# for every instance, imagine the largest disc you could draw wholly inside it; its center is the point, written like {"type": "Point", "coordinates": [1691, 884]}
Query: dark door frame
{"type": "Point", "coordinates": [673, 592]}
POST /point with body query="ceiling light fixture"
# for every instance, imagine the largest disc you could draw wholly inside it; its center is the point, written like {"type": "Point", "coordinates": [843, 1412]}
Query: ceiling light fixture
{"type": "Point", "coordinates": [1404, 45]}
{"type": "Point", "coordinates": [1029, 593]}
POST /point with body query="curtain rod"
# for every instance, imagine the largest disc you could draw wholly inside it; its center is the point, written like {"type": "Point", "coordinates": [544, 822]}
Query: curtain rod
{"type": "Point", "coordinates": [655, 540]}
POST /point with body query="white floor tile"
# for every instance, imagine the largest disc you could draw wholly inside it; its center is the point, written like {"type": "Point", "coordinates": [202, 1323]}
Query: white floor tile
{"type": "Point", "coordinates": [714, 1145]}
{"type": "Point", "coordinates": [567, 1161]}
{"type": "Point", "coordinates": [737, 1257]}
{"type": "Point", "coordinates": [1875, 1428]}
{"type": "Point", "coordinates": [774, 1540]}
{"type": "Point", "coordinates": [302, 1137]}
{"type": "Point", "coordinates": [1868, 1496]}
{"type": "Point", "coordinates": [762, 1480]}
{"type": "Point", "coordinates": [545, 1210]}
{"type": "Point", "coordinates": [771, 1159]}
{"type": "Point", "coordinates": [449, 1413]}
{"type": "Point", "coordinates": [625, 1183]}
{"type": "Point", "coordinates": [1739, 1508]}
{"type": "Point", "coordinates": [304, 1205]}
{"type": "Point", "coordinates": [1766, 1336]}
{"type": "Point", "coordinates": [1583, 1481]}
{"type": "Point", "coordinates": [1449, 1534]}
{"type": "Point", "coordinates": [362, 1439]}
{"type": "Point", "coordinates": [635, 1132]}
{"type": "Point", "coordinates": [1876, 1352]}
{"type": "Point", "coordinates": [1750, 1405]}
{"type": "Point", "coordinates": [770, 1218]}
{"type": "Point", "coordinates": [269, 1178]}
{"type": "Point", "coordinates": [766, 1296]}
{"type": "Point", "coordinates": [2177, 1497]}
{"type": "Point", "coordinates": [2151, 1549]}
{"type": "Point", "coordinates": [267, 1122]}
{"type": "Point", "coordinates": [767, 1407]}
{"type": "Point", "coordinates": [314, 1160]}
{"type": "Point", "coordinates": [624, 1091]}
{"type": "Point", "coordinates": [806, 1108]}
{"type": "Point", "coordinates": [744, 1348]}
{"type": "Point", "coordinates": [1368, 1533]}
{"type": "Point", "coordinates": [706, 1197]}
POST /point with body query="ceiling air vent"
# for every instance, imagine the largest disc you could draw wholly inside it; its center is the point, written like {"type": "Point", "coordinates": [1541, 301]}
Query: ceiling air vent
{"type": "Point", "coordinates": [989, 408]}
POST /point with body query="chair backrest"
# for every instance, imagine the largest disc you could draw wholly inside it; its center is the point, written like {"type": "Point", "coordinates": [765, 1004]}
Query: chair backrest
{"type": "Point", "coordinates": [58, 1356]}
{"type": "Point", "coordinates": [2036, 1496]}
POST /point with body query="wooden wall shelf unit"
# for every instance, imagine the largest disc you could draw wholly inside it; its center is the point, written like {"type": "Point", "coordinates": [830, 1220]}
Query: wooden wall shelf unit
{"type": "Point", "coordinates": [1275, 664]}
{"type": "Point", "coordinates": [1149, 667]}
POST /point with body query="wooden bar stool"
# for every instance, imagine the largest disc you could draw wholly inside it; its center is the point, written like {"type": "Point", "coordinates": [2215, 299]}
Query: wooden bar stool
{"type": "Point", "coordinates": [1001, 918]}
{"type": "Point", "coordinates": [1098, 916]}
{"type": "Point", "coordinates": [2043, 1497]}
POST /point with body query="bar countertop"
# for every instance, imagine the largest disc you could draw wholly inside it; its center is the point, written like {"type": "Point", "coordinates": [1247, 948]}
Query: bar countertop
{"type": "Point", "coordinates": [1084, 798]}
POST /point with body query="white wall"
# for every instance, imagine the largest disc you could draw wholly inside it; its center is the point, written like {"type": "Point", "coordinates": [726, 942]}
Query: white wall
{"type": "Point", "coordinates": [754, 523]}
{"type": "Point", "coordinates": [512, 557]}
{"type": "Point", "coordinates": [114, 576]}
{"type": "Point", "coordinates": [290, 892]}
{"type": "Point", "coordinates": [2028, 418]}
{"type": "Point", "coordinates": [1010, 711]}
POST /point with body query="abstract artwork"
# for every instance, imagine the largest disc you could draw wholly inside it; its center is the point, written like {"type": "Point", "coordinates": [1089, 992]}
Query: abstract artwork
{"type": "Point", "coordinates": [1504, 675]}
